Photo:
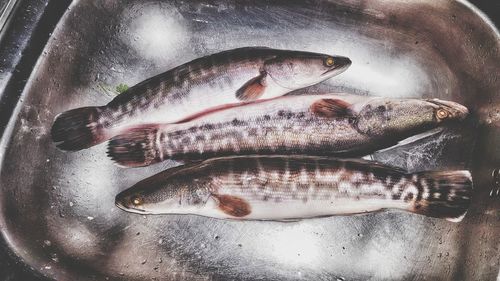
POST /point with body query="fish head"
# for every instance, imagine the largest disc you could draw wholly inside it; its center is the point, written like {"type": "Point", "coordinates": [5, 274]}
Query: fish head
{"type": "Point", "coordinates": [383, 116]}
{"type": "Point", "coordinates": [172, 196]}
{"type": "Point", "coordinates": [295, 70]}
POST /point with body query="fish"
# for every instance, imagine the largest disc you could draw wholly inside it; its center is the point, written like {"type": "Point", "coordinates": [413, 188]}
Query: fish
{"type": "Point", "coordinates": [215, 81]}
{"type": "Point", "coordinates": [284, 188]}
{"type": "Point", "coordinates": [328, 124]}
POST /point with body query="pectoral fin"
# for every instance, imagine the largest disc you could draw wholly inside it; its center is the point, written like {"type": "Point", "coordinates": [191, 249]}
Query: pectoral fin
{"type": "Point", "coordinates": [233, 205]}
{"type": "Point", "coordinates": [253, 89]}
{"type": "Point", "coordinates": [329, 108]}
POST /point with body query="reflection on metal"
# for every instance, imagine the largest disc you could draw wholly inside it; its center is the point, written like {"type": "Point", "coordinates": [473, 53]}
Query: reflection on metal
{"type": "Point", "coordinates": [57, 209]}
{"type": "Point", "coordinates": [495, 191]}
{"type": "Point", "coordinates": [6, 8]}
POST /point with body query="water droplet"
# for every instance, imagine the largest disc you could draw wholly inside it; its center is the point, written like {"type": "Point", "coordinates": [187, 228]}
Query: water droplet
{"type": "Point", "coordinates": [90, 218]}
{"type": "Point", "coordinates": [47, 243]}
{"type": "Point", "coordinates": [70, 204]}
{"type": "Point", "coordinates": [54, 257]}
{"type": "Point", "coordinates": [144, 261]}
{"type": "Point", "coordinates": [496, 175]}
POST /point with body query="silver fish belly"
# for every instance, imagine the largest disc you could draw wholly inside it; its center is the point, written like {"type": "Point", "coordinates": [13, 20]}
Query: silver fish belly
{"type": "Point", "coordinates": [284, 188]}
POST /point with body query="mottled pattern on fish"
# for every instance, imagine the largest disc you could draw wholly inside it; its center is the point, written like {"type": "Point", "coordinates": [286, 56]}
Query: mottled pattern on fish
{"type": "Point", "coordinates": [281, 188]}
{"type": "Point", "coordinates": [285, 130]}
{"type": "Point", "coordinates": [215, 73]}
{"type": "Point", "coordinates": [316, 125]}
{"type": "Point", "coordinates": [229, 77]}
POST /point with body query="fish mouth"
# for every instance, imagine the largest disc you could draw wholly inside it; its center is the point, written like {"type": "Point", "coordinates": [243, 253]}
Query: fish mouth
{"type": "Point", "coordinates": [120, 205]}
{"type": "Point", "coordinates": [341, 65]}
{"type": "Point", "coordinates": [455, 108]}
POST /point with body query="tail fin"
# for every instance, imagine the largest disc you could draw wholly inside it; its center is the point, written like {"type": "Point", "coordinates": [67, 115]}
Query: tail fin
{"type": "Point", "coordinates": [77, 129]}
{"type": "Point", "coordinates": [135, 148]}
{"type": "Point", "coordinates": [446, 194]}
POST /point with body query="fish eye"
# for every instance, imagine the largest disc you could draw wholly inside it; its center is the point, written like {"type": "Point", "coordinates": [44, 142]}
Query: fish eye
{"type": "Point", "coordinates": [329, 61]}
{"type": "Point", "coordinates": [136, 201]}
{"type": "Point", "coordinates": [442, 114]}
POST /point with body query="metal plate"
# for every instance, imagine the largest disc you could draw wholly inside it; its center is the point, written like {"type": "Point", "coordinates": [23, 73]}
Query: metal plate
{"type": "Point", "coordinates": [57, 209]}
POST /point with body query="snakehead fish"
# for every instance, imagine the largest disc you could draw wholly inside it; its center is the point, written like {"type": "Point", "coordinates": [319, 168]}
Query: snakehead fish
{"type": "Point", "coordinates": [328, 124]}
{"type": "Point", "coordinates": [297, 187]}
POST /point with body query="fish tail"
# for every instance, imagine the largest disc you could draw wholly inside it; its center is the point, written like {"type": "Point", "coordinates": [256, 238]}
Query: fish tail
{"type": "Point", "coordinates": [445, 194]}
{"type": "Point", "coordinates": [135, 148]}
{"type": "Point", "coordinates": [78, 128]}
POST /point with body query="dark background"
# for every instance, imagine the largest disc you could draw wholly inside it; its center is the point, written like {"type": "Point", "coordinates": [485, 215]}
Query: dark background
{"type": "Point", "coordinates": [10, 270]}
{"type": "Point", "coordinates": [490, 8]}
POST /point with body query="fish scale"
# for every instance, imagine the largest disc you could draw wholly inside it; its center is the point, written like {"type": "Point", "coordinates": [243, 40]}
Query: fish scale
{"type": "Point", "coordinates": [295, 187]}
{"type": "Point", "coordinates": [247, 138]}
{"type": "Point", "coordinates": [314, 183]}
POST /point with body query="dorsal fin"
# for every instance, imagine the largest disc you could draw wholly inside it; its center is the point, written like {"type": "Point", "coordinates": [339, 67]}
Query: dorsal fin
{"type": "Point", "coordinates": [331, 108]}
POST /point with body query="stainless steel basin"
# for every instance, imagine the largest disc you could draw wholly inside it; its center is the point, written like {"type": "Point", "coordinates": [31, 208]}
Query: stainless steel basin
{"type": "Point", "coordinates": [57, 209]}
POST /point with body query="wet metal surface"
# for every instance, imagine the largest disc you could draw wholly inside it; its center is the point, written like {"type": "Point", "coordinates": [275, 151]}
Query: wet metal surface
{"type": "Point", "coordinates": [57, 209]}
